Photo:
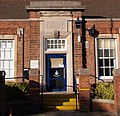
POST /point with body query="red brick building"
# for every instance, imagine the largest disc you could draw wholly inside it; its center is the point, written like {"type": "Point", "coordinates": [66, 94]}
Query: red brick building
{"type": "Point", "coordinates": [42, 34]}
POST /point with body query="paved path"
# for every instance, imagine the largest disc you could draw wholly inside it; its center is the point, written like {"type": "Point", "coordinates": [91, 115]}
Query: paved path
{"type": "Point", "coordinates": [74, 113]}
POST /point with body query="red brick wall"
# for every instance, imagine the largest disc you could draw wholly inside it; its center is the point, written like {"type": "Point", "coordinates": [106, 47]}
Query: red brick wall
{"type": "Point", "coordinates": [10, 28]}
{"type": "Point", "coordinates": [84, 90]}
{"type": "Point", "coordinates": [103, 105]}
{"type": "Point", "coordinates": [104, 27]}
{"type": "Point", "coordinates": [32, 40]}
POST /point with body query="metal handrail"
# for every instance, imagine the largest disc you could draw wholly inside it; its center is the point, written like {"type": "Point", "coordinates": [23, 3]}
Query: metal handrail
{"type": "Point", "coordinates": [97, 78]}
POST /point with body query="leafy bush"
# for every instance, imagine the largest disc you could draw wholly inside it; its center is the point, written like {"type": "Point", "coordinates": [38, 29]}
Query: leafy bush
{"type": "Point", "coordinates": [16, 91]}
{"type": "Point", "coordinates": [104, 91]}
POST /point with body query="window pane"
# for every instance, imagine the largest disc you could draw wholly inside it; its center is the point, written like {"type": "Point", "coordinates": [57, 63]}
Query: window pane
{"type": "Point", "coordinates": [6, 54]}
{"type": "Point", "coordinates": [55, 41]}
{"type": "Point", "coordinates": [106, 62]}
{"type": "Point", "coordinates": [1, 65]}
{"type": "Point", "coordinates": [3, 44]}
{"type": "Point", "coordinates": [7, 73]}
{"type": "Point", "coordinates": [51, 41]}
{"type": "Point", "coordinates": [63, 46]}
{"type": "Point", "coordinates": [101, 53]}
{"type": "Point", "coordinates": [48, 46]}
{"type": "Point", "coordinates": [0, 44]}
{"type": "Point", "coordinates": [48, 41]}
{"type": "Point", "coordinates": [51, 46]}
{"type": "Point", "coordinates": [55, 46]}
{"type": "Point", "coordinates": [11, 64]}
{"type": "Point", "coordinates": [63, 41]}
{"type": "Point", "coordinates": [112, 43]}
{"type": "Point", "coordinates": [6, 64]}
{"type": "Point", "coordinates": [100, 43]}
{"type": "Point", "coordinates": [100, 62]}
{"type": "Point", "coordinates": [59, 41]}
{"type": "Point", "coordinates": [111, 62]}
{"type": "Point", "coordinates": [112, 71]}
{"type": "Point", "coordinates": [112, 53]}
{"type": "Point", "coordinates": [107, 73]}
{"type": "Point", "coordinates": [11, 73]}
{"type": "Point", "coordinates": [10, 44]}
{"type": "Point", "coordinates": [106, 53]}
{"type": "Point", "coordinates": [2, 54]}
{"type": "Point", "coordinates": [101, 72]}
{"type": "Point", "coordinates": [59, 46]}
{"type": "Point", "coordinates": [106, 43]}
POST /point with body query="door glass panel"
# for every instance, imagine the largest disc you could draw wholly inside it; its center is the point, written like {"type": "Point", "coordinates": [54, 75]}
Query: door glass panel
{"type": "Point", "coordinates": [56, 62]}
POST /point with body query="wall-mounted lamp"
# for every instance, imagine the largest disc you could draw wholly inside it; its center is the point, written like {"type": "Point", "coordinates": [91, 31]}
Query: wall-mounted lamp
{"type": "Point", "coordinates": [20, 32]}
{"type": "Point", "coordinates": [92, 31]}
{"type": "Point", "coordinates": [78, 25]}
{"type": "Point", "coordinates": [56, 34]}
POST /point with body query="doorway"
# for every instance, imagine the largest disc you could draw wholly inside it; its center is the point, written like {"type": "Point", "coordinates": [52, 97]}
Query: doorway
{"type": "Point", "coordinates": [56, 72]}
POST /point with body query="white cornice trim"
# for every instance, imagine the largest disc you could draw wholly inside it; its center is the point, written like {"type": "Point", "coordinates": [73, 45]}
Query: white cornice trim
{"type": "Point", "coordinates": [38, 19]}
{"type": "Point", "coordinates": [103, 19]}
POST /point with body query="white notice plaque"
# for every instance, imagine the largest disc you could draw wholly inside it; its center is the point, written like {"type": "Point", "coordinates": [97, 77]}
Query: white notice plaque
{"type": "Point", "coordinates": [34, 64]}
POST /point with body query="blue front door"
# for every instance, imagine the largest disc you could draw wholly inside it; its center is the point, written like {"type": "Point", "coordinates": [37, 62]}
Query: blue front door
{"type": "Point", "coordinates": [56, 72]}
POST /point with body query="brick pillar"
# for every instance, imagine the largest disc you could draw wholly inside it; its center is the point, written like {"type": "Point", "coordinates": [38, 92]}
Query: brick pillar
{"type": "Point", "coordinates": [116, 73]}
{"type": "Point", "coordinates": [2, 93]}
{"type": "Point", "coordinates": [84, 90]}
{"type": "Point", "coordinates": [34, 90]}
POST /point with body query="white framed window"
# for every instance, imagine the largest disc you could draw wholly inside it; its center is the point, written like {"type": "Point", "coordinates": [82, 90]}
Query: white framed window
{"type": "Point", "coordinates": [56, 44]}
{"type": "Point", "coordinates": [106, 58]}
{"type": "Point", "coordinates": [7, 57]}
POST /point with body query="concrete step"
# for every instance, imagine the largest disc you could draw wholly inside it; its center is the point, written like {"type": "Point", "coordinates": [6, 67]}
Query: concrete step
{"type": "Point", "coordinates": [60, 101]}
{"type": "Point", "coordinates": [66, 107]}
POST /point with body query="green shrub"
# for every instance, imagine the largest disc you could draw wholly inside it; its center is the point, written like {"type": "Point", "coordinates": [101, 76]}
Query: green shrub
{"type": "Point", "coordinates": [16, 91]}
{"type": "Point", "coordinates": [104, 91]}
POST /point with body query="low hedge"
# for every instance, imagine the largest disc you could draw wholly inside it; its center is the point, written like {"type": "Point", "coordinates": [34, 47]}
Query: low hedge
{"type": "Point", "coordinates": [103, 91]}
{"type": "Point", "coordinates": [16, 91]}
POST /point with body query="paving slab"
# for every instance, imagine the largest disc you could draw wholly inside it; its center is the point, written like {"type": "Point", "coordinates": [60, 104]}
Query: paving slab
{"type": "Point", "coordinates": [75, 113]}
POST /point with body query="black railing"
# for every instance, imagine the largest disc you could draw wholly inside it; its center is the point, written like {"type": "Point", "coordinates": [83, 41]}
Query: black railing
{"type": "Point", "coordinates": [97, 78]}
